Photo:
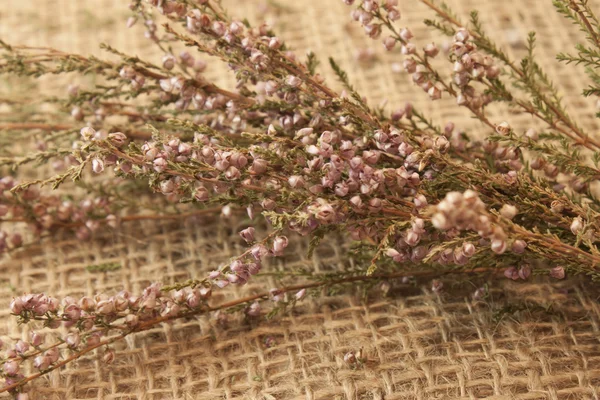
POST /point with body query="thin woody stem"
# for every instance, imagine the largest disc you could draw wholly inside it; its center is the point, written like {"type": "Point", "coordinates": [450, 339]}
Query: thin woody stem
{"type": "Point", "coordinates": [131, 218]}
{"type": "Point", "coordinates": [63, 127]}
{"type": "Point", "coordinates": [593, 34]}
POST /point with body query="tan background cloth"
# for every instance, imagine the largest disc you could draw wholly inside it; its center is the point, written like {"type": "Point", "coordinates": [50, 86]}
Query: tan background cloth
{"type": "Point", "coordinates": [528, 341]}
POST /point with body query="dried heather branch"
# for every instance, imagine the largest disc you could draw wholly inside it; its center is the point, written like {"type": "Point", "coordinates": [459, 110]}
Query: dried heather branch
{"type": "Point", "coordinates": [287, 147]}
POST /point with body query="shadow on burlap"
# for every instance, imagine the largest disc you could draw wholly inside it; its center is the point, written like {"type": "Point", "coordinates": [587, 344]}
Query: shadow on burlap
{"type": "Point", "coordinates": [527, 341]}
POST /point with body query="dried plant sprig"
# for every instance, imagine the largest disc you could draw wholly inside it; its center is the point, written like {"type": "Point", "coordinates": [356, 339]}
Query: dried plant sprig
{"type": "Point", "coordinates": [97, 323]}
{"type": "Point", "coordinates": [286, 146]}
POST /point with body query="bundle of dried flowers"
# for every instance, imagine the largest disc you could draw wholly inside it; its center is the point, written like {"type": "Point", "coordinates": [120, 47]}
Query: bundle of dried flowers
{"type": "Point", "coordinates": [286, 147]}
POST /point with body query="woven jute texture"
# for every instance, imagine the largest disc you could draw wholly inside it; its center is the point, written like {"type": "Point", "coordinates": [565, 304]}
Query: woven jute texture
{"type": "Point", "coordinates": [527, 341]}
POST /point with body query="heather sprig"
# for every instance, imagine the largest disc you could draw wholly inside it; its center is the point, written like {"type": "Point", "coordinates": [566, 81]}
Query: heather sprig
{"type": "Point", "coordinates": [296, 156]}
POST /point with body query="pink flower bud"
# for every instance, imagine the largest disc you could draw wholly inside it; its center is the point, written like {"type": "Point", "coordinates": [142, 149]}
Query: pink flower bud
{"type": "Point", "coordinates": [373, 30]}
{"type": "Point", "coordinates": [248, 234]}
{"type": "Point", "coordinates": [73, 340]}
{"type": "Point", "coordinates": [406, 34]}
{"type": "Point", "coordinates": [268, 204]}
{"type": "Point", "coordinates": [293, 81]}
{"type": "Point", "coordinates": [462, 35]}
{"type": "Point", "coordinates": [356, 201]}
{"type": "Point", "coordinates": [420, 201]}
{"type": "Point", "coordinates": [577, 225]}
{"type": "Point", "coordinates": [168, 61]}
{"type": "Point", "coordinates": [21, 347]}
{"type": "Point", "coordinates": [468, 249]}
{"type": "Point", "coordinates": [440, 221]}
{"type": "Point", "coordinates": [551, 170]}
{"type": "Point", "coordinates": [434, 93]}
{"type": "Point", "coordinates": [259, 166]}
{"type": "Point", "coordinates": [511, 273]}
{"type": "Point", "coordinates": [41, 362]}
{"type": "Point", "coordinates": [254, 268]}
{"type": "Point", "coordinates": [149, 302]}
{"type": "Point", "coordinates": [131, 320]}
{"type": "Point", "coordinates": [41, 307]}
{"type": "Point", "coordinates": [52, 354]}
{"type": "Point", "coordinates": [108, 357]}
{"type": "Point", "coordinates": [17, 305]}
{"type": "Point", "coordinates": [350, 358]}
{"type": "Point", "coordinates": [131, 22]}
{"type": "Point", "coordinates": [492, 72]}
{"type": "Point", "coordinates": [36, 339]}
{"type": "Point", "coordinates": [375, 204]}
{"type": "Point", "coordinates": [498, 246]}
{"type": "Point", "coordinates": [441, 144]}
{"type": "Point", "coordinates": [409, 65]}
{"type": "Point", "coordinates": [254, 309]}
{"type": "Point", "coordinates": [203, 292]}
{"type": "Point", "coordinates": [371, 157]}
{"type": "Point", "coordinates": [279, 244]}
{"type": "Point", "coordinates": [300, 294]}
{"type": "Point", "coordinates": [519, 246]}
{"type": "Point", "coordinates": [127, 72]}
{"type": "Point", "coordinates": [532, 134]}
{"type": "Point", "coordinates": [431, 50]}
{"type": "Point", "coordinates": [412, 238]}
{"type": "Point", "coordinates": [201, 194]}
{"type": "Point", "coordinates": [508, 211]}
{"type": "Point", "coordinates": [503, 128]}
{"type": "Point", "coordinates": [219, 28]}
{"type": "Point", "coordinates": [275, 43]}
{"type": "Point", "coordinates": [270, 87]}
{"type": "Point", "coordinates": [87, 133]}
{"type": "Point", "coordinates": [160, 164]}
{"type": "Point", "coordinates": [395, 255]}
{"type": "Point", "coordinates": [557, 272]}
{"type": "Point", "coordinates": [408, 49]}
{"type": "Point", "coordinates": [341, 189]}
{"type": "Point", "coordinates": [105, 307]}
{"type": "Point", "coordinates": [72, 312]}
{"type": "Point", "coordinates": [538, 163]}
{"type": "Point", "coordinates": [221, 283]}
{"type": "Point", "coordinates": [97, 165]}
{"type": "Point", "coordinates": [166, 85]}
{"type": "Point", "coordinates": [524, 272]}
{"type": "Point", "coordinates": [233, 278]}
{"type": "Point", "coordinates": [120, 303]}
{"type": "Point", "coordinates": [296, 181]}
{"type": "Point", "coordinates": [389, 43]}
{"type": "Point", "coordinates": [11, 367]}
{"type": "Point", "coordinates": [259, 251]}
{"type": "Point", "coordinates": [87, 304]}
{"type": "Point", "coordinates": [117, 138]}
{"type": "Point", "coordinates": [393, 14]}
{"type": "Point", "coordinates": [232, 173]}
{"type": "Point", "coordinates": [436, 286]}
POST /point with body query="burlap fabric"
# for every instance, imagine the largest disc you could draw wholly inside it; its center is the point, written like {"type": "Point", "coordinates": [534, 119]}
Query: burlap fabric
{"type": "Point", "coordinates": [528, 341]}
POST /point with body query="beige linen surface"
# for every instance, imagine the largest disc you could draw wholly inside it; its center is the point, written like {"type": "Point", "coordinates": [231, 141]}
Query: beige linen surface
{"type": "Point", "coordinates": [530, 341]}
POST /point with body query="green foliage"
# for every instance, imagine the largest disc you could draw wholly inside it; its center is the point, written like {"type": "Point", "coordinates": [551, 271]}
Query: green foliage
{"type": "Point", "coordinates": [312, 63]}
{"type": "Point", "coordinates": [104, 267]}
